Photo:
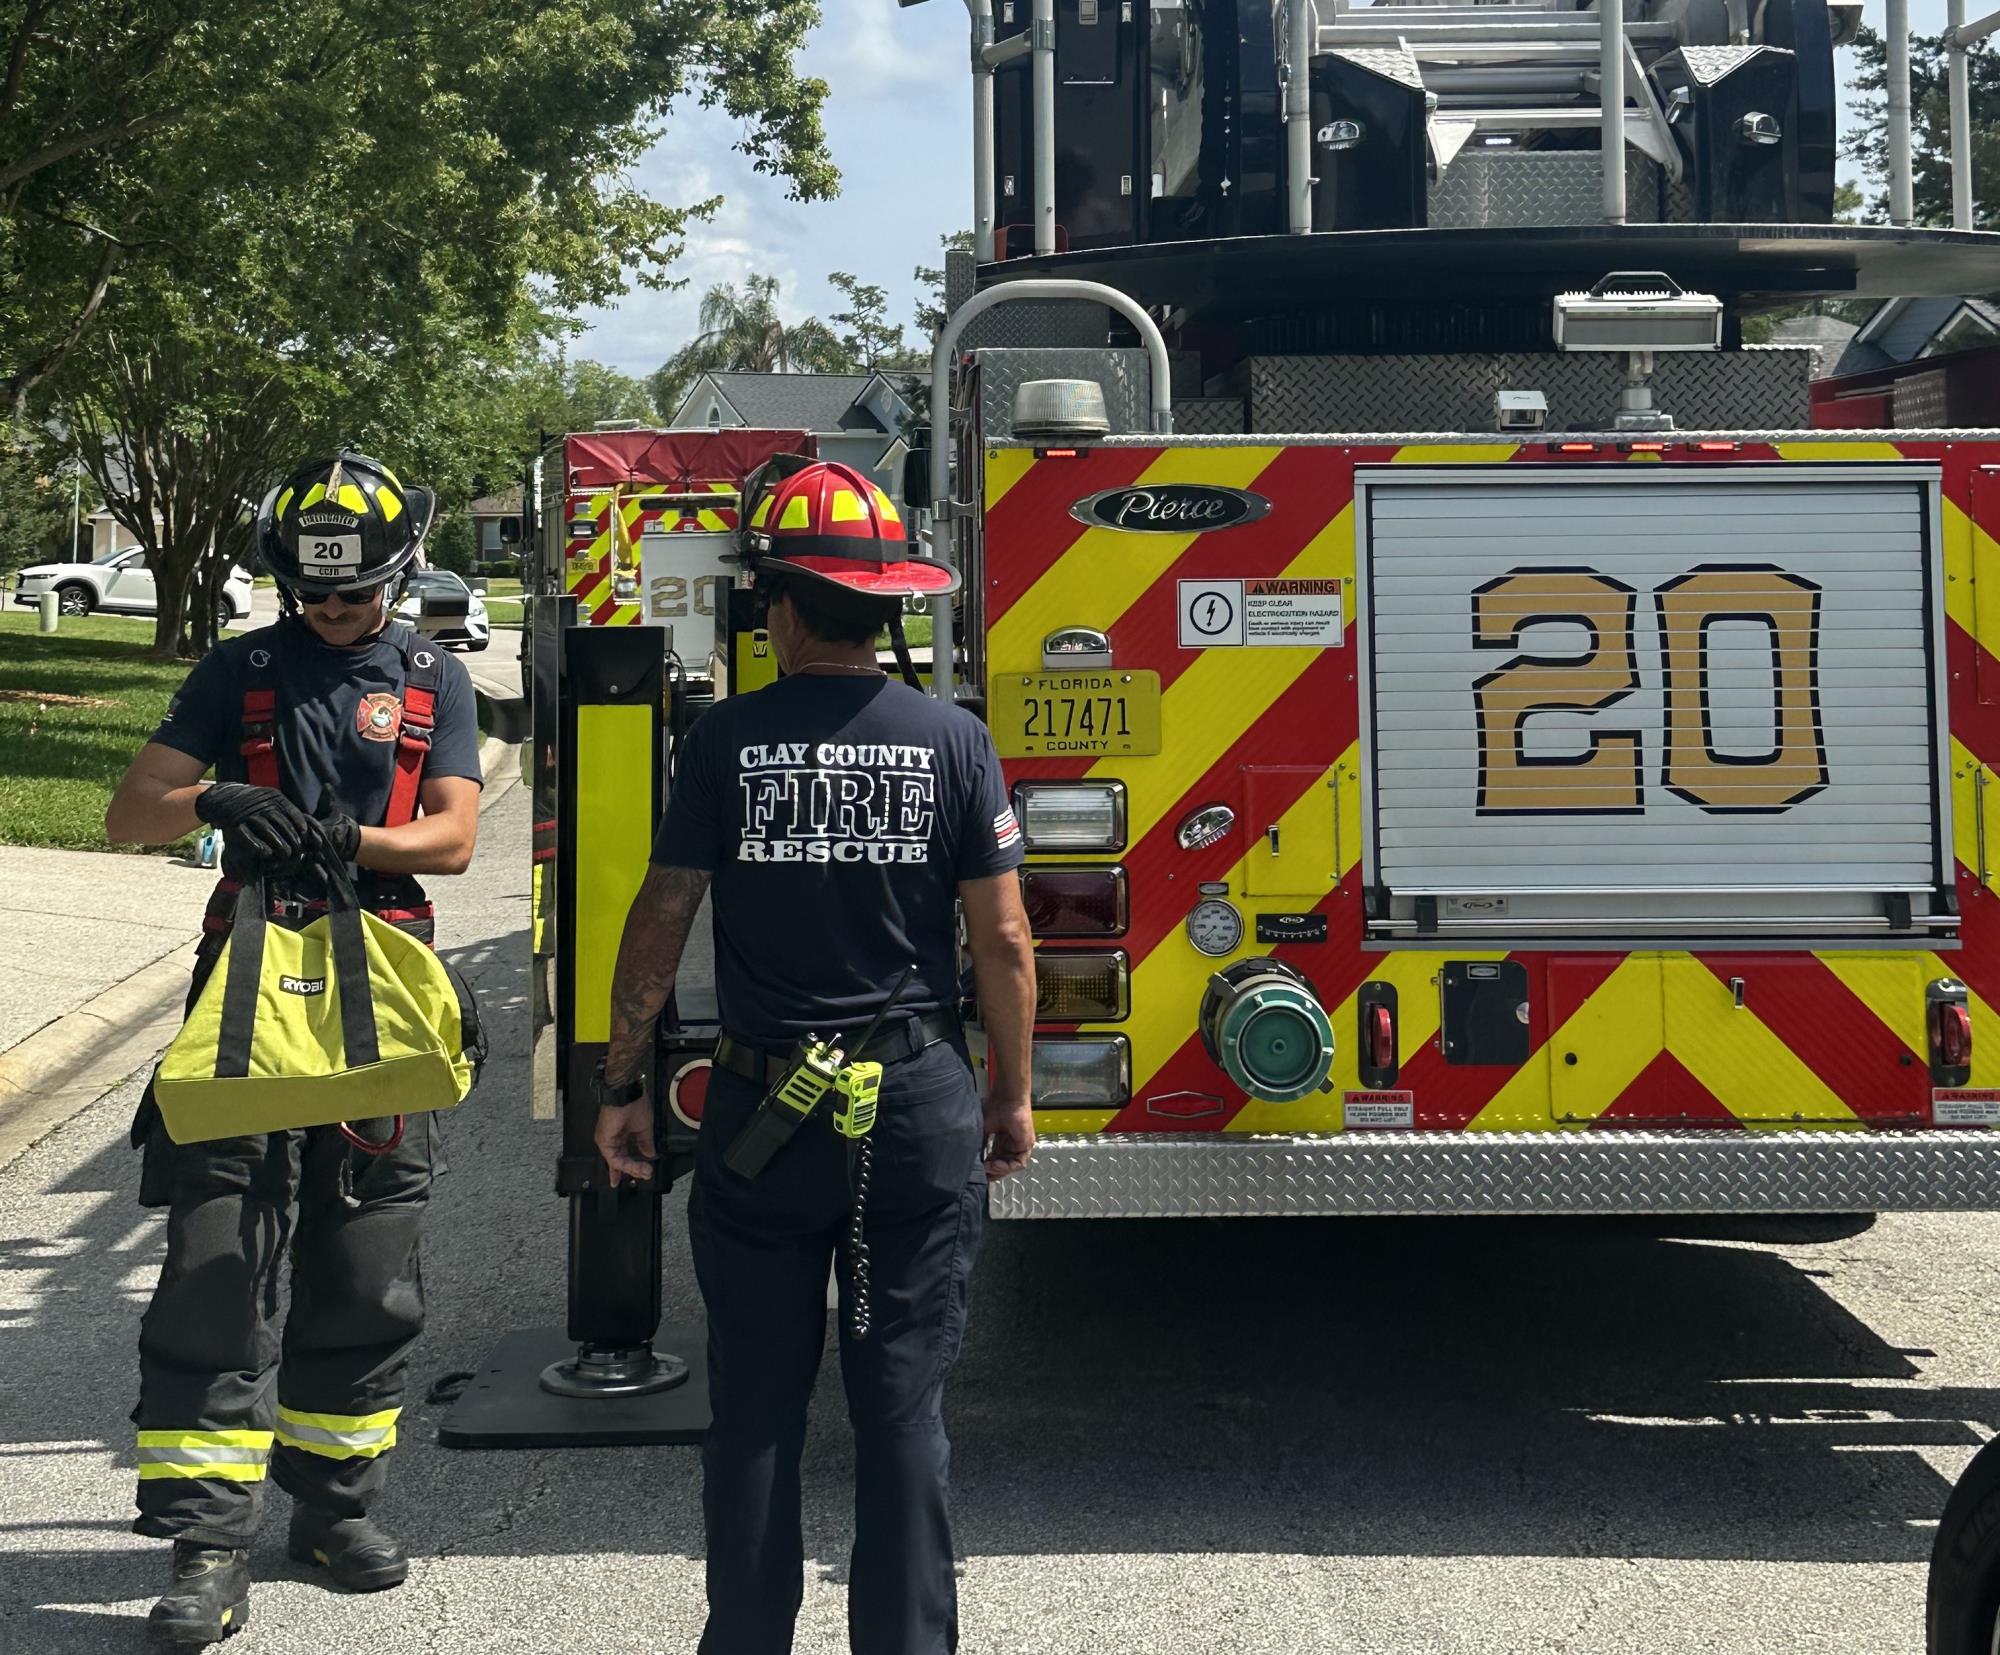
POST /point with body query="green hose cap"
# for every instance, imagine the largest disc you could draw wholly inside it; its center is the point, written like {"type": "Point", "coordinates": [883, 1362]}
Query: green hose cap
{"type": "Point", "coordinates": [1274, 1040]}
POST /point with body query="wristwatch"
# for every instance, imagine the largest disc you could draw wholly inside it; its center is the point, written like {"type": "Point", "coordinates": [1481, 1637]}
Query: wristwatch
{"type": "Point", "coordinates": [615, 1097]}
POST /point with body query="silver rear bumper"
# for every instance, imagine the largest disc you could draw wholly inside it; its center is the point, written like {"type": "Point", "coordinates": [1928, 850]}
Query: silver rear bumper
{"type": "Point", "coordinates": [1221, 1175]}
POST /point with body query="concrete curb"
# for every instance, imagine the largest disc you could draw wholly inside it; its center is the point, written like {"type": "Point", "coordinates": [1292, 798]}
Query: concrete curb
{"type": "Point", "coordinates": [67, 1066]}
{"type": "Point", "coordinates": [64, 1067]}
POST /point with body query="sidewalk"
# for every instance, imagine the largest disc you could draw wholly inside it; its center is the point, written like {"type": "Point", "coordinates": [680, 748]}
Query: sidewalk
{"type": "Point", "coordinates": [95, 951]}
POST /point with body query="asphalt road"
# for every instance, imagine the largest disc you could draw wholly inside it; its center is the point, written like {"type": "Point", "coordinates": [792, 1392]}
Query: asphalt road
{"type": "Point", "coordinates": [1386, 1436]}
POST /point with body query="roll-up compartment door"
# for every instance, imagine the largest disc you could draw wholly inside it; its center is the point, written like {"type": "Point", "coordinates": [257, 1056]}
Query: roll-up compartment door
{"type": "Point", "coordinates": [1667, 703]}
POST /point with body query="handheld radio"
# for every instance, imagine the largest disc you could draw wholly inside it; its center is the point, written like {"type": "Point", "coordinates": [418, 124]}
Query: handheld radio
{"type": "Point", "coordinates": [817, 1067]}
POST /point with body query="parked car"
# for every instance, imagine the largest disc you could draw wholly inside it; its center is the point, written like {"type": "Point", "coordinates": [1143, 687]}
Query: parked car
{"type": "Point", "coordinates": [119, 583]}
{"type": "Point", "coordinates": [443, 608]}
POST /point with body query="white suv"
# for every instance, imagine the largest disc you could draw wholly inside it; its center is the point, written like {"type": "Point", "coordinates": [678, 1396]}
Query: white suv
{"type": "Point", "coordinates": [119, 583]}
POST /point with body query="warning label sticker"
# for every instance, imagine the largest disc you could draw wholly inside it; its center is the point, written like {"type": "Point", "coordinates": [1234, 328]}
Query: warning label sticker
{"type": "Point", "coordinates": [1965, 1106]}
{"type": "Point", "coordinates": [1378, 1111]}
{"type": "Point", "coordinates": [1267, 613]}
{"type": "Point", "coordinates": [1296, 614]}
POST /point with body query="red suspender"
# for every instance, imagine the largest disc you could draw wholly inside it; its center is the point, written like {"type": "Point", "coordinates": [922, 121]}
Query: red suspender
{"type": "Point", "coordinates": [260, 729]}
{"type": "Point", "coordinates": [413, 746]}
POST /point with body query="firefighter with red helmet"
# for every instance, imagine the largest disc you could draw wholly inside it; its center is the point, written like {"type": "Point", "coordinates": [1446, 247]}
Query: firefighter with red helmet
{"type": "Point", "coordinates": [839, 821]}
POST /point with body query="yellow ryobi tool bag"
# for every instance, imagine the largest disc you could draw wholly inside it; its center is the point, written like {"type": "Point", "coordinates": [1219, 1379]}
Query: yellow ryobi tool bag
{"type": "Point", "coordinates": [345, 1019]}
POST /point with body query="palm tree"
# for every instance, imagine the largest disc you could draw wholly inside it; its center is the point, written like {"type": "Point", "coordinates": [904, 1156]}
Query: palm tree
{"type": "Point", "coordinates": [742, 332]}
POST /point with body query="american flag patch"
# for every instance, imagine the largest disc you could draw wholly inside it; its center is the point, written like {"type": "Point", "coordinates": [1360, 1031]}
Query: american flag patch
{"type": "Point", "coordinates": [1006, 831]}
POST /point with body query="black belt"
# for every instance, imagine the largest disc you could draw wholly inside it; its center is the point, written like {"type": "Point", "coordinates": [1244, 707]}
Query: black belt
{"type": "Point", "coordinates": [767, 1064]}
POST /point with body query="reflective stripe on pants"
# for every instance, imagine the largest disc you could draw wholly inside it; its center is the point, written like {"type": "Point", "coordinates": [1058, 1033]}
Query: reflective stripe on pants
{"type": "Point", "coordinates": [226, 1456]}
{"type": "Point", "coordinates": [338, 1436]}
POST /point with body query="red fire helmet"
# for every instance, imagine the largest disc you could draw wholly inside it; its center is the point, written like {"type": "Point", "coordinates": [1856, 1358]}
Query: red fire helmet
{"type": "Point", "coordinates": [825, 519]}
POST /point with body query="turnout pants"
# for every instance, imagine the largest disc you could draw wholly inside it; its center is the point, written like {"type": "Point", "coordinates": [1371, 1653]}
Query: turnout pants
{"type": "Point", "coordinates": [224, 1397]}
{"type": "Point", "coordinates": [762, 1249]}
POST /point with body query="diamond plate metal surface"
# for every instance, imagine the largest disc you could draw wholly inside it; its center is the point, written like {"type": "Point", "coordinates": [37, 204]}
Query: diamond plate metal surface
{"type": "Point", "coordinates": [1390, 62]}
{"type": "Point", "coordinates": [1211, 1175]}
{"type": "Point", "coordinates": [961, 278]}
{"type": "Point", "coordinates": [1073, 324]}
{"type": "Point", "coordinates": [1708, 64]}
{"type": "Point", "coordinates": [1122, 374]}
{"type": "Point", "coordinates": [1209, 416]}
{"type": "Point", "coordinates": [1495, 188]}
{"type": "Point", "coordinates": [1765, 388]}
{"type": "Point", "coordinates": [1920, 399]}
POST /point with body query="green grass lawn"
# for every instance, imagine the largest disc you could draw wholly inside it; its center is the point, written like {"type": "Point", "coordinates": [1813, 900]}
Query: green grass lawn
{"type": "Point", "coordinates": [504, 611]}
{"type": "Point", "coordinates": [74, 707]}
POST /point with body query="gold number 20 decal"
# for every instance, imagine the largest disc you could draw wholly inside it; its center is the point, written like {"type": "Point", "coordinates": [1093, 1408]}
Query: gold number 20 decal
{"type": "Point", "coordinates": [1703, 763]}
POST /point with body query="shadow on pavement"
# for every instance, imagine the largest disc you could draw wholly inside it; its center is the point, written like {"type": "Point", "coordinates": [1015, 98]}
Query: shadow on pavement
{"type": "Point", "coordinates": [1426, 1388]}
{"type": "Point", "coordinates": [1434, 1388]}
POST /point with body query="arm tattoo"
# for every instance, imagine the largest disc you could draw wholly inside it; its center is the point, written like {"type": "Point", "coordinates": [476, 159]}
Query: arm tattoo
{"type": "Point", "coordinates": [649, 958]}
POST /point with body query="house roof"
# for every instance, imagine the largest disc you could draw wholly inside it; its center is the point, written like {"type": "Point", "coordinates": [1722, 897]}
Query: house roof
{"type": "Point", "coordinates": [811, 402]}
{"type": "Point", "coordinates": [1825, 336]}
{"type": "Point", "coordinates": [496, 505]}
{"type": "Point", "coordinates": [1901, 330]}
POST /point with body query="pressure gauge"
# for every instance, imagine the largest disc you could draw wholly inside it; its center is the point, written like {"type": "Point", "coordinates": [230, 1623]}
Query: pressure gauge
{"type": "Point", "coordinates": [1214, 927]}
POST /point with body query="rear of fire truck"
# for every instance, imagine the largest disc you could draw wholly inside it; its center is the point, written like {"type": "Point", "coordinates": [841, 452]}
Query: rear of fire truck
{"type": "Point", "coordinates": [1481, 749]}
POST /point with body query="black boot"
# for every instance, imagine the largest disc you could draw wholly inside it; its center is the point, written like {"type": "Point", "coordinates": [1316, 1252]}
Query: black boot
{"type": "Point", "coordinates": [353, 1550]}
{"type": "Point", "coordinates": [209, 1599]}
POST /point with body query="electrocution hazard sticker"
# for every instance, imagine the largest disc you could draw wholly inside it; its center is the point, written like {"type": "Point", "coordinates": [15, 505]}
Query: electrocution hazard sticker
{"type": "Point", "coordinates": [1267, 613]}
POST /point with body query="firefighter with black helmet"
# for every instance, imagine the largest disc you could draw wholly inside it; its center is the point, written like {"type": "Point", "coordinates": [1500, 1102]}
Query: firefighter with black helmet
{"type": "Point", "coordinates": [345, 752]}
{"type": "Point", "coordinates": [839, 821]}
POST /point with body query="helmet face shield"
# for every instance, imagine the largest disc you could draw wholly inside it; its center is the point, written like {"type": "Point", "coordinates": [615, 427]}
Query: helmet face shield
{"type": "Point", "coordinates": [341, 524]}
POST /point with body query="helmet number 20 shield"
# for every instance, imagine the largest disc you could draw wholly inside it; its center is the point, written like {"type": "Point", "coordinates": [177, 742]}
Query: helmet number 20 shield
{"type": "Point", "coordinates": [330, 554]}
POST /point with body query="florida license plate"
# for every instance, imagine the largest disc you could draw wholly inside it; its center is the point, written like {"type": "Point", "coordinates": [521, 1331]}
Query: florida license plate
{"type": "Point", "coordinates": [1090, 714]}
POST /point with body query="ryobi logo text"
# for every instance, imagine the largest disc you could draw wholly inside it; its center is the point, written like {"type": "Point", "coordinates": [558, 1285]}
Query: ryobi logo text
{"type": "Point", "coordinates": [302, 985]}
{"type": "Point", "coordinates": [1723, 771]}
{"type": "Point", "coordinates": [837, 802]}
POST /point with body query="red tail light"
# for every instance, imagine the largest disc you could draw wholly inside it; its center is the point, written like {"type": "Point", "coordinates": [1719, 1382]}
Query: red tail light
{"type": "Point", "coordinates": [1075, 902]}
{"type": "Point", "coordinates": [1951, 1035]}
{"type": "Point", "coordinates": [1381, 1032]}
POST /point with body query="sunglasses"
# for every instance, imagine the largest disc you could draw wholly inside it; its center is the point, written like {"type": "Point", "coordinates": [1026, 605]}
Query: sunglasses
{"type": "Point", "coordinates": [346, 594]}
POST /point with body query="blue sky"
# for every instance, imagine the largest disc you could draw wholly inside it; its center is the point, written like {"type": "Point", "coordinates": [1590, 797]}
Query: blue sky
{"type": "Point", "coordinates": [899, 122]}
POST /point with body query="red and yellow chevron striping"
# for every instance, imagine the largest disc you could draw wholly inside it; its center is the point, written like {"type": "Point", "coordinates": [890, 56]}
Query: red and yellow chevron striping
{"type": "Point", "coordinates": [1660, 1039]}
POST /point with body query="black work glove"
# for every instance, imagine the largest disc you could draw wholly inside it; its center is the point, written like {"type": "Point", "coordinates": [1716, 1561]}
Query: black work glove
{"type": "Point", "coordinates": [268, 834]}
{"type": "Point", "coordinates": [339, 833]}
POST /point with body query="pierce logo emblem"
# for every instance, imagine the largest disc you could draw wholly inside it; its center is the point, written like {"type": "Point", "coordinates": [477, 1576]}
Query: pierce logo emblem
{"type": "Point", "coordinates": [1171, 508]}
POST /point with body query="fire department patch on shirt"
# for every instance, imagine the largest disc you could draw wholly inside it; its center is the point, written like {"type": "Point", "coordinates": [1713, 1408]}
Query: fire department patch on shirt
{"type": "Point", "coordinates": [379, 716]}
{"type": "Point", "coordinates": [1006, 831]}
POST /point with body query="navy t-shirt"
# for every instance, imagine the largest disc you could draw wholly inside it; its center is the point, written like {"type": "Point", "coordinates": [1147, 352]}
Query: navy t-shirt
{"type": "Point", "coordinates": [338, 714]}
{"type": "Point", "coordinates": [838, 816]}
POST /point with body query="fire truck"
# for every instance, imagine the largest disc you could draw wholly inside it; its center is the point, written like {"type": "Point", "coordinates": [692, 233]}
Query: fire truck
{"type": "Point", "coordinates": [1479, 747]}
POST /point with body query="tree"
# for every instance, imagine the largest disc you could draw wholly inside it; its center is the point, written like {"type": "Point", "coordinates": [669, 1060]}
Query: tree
{"type": "Point", "coordinates": [872, 342]}
{"type": "Point", "coordinates": [930, 308]}
{"type": "Point", "coordinates": [742, 332]}
{"type": "Point", "coordinates": [1930, 128]}
{"type": "Point", "coordinates": [382, 208]}
{"type": "Point", "coordinates": [82, 83]}
{"type": "Point", "coordinates": [39, 497]}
